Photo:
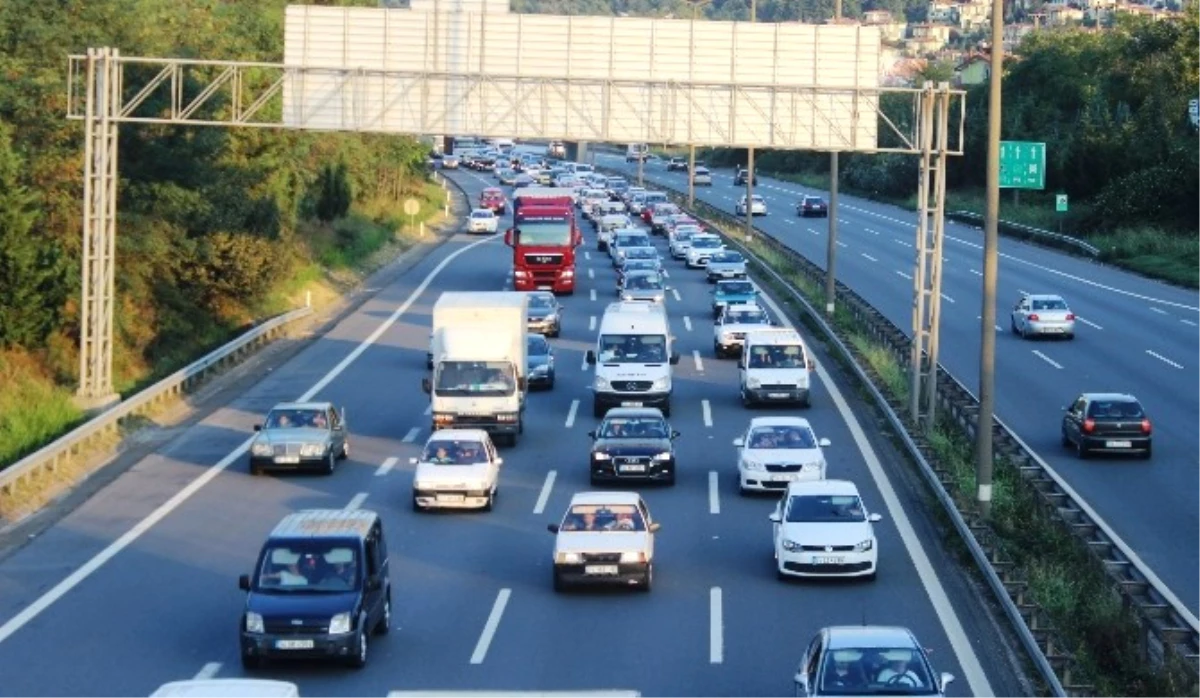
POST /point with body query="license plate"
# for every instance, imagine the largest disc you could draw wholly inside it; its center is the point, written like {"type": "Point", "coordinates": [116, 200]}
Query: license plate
{"type": "Point", "coordinates": [828, 560]}
{"type": "Point", "coordinates": [777, 396]}
{"type": "Point", "coordinates": [1118, 444]}
{"type": "Point", "coordinates": [287, 459]}
{"type": "Point", "coordinates": [600, 569]}
{"type": "Point", "coordinates": [450, 497]}
{"type": "Point", "coordinates": [781, 478]}
{"type": "Point", "coordinates": [293, 644]}
{"type": "Point", "coordinates": [633, 468]}
{"type": "Point", "coordinates": [631, 404]}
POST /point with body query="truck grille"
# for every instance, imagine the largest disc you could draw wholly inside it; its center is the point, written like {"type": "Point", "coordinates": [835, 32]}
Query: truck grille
{"type": "Point", "coordinates": [779, 386]}
{"type": "Point", "coordinates": [543, 259]}
{"type": "Point", "coordinates": [632, 386]}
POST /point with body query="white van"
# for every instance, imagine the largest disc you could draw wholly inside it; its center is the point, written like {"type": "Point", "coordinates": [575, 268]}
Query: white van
{"type": "Point", "coordinates": [636, 151]}
{"type": "Point", "coordinates": [233, 688]}
{"type": "Point", "coordinates": [633, 358]}
{"type": "Point", "coordinates": [775, 366]}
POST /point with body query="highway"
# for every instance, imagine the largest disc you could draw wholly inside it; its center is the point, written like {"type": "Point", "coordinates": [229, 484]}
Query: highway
{"type": "Point", "coordinates": [1133, 335]}
{"type": "Point", "coordinates": [138, 586]}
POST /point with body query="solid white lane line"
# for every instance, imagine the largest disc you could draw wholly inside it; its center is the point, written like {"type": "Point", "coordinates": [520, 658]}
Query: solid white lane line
{"type": "Point", "coordinates": [1163, 359]}
{"type": "Point", "coordinates": [591, 273]}
{"type": "Point", "coordinates": [714, 493]}
{"type": "Point", "coordinates": [1160, 311]}
{"type": "Point", "coordinates": [716, 640]}
{"type": "Point", "coordinates": [592, 294]}
{"type": "Point", "coordinates": [904, 275]}
{"type": "Point", "coordinates": [1089, 323]}
{"type": "Point", "coordinates": [356, 501]}
{"type": "Point", "coordinates": [97, 561]}
{"type": "Point", "coordinates": [489, 630]}
{"type": "Point", "coordinates": [571, 414]}
{"type": "Point", "coordinates": [707, 412]}
{"type": "Point", "coordinates": [675, 292]}
{"type": "Point", "coordinates": [959, 642]}
{"type": "Point", "coordinates": [207, 671]}
{"type": "Point", "coordinates": [545, 494]}
{"type": "Point", "coordinates": [1047, 359]}
{"type": "Point", "coordinates": [687, 323]}
{"type": "Point", "coordinates": [411, 436]}
{"type": "Point", "coordinates": [591, 323]}
{"type": "Point", "coordinates": [388, 464]}
{"type": "Point", "coordinates": [1189, 322]}
{"type": "Point", "coordinates": [869, 257]}
{"type": "Point", "coordinates": [696, 358]}
{"type": "Point", "coordinates": [947, 298]}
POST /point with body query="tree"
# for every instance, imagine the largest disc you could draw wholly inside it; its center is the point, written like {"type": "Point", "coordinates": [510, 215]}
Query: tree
{"type": "Point", "coordinates": [334, 199]}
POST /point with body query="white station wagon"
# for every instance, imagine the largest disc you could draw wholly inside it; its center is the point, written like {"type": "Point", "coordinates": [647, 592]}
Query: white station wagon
{"type": "Point", "coordinates": [604, 538]}
{"type": "Point", "coordinates": [458, 469]}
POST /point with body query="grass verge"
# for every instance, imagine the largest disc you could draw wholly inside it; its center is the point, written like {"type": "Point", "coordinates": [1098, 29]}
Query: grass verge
{"type": "Point", "coordinates": [1064, 579]}
{"type": "Point", "coordinates": [36, 406]}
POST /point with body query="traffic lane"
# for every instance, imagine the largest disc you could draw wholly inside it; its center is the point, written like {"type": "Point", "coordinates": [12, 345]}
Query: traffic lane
{"type": "Point", "coordinates": [112, 511]}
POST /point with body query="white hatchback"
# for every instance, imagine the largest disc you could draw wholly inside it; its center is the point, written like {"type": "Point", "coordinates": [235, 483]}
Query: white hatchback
{"type": "Point", "coordinates": [604, 538]}
{"type": "Point", "coordinates": [777, 451]}
{"type": "Point", "coordinates": [482, 220]}
{"type": "Point", "coordinates": [458, 469]}
{"type": "Point", "coordinates": [822, 529]}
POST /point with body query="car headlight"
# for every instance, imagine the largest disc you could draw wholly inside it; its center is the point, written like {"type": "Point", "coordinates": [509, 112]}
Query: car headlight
{"type": "Point", "coordinates": [442, 418]}
{"type": "Point", "coordinates": [661, 383]}
{"type": "Point", "coordinates": [567, 558]}
{"type": "Point", "coordinates": [665, 455]}
{"type": "Point", "coordinates": [601, 384]}
{"type": "Point", "coordinates": [312, 449]}
{"type": "Point", "coordinates": [254, 622]}
{"type": "Point", "coordinates": [727, 337]}
{"type": "Point", "coordinates": [600, 455]}
{"type": "Point", "coordinates": [865, 546]}
{"type": "Point", "coordinates": [633, 557]}
{"type": "Point", "coordinates": [261, 448]}
{"type": "Point", "coordinates": [790, 545]}
{"type": "Point", "coordinates": [626, 297]}
{"type": "Point", "coordinates": [753, 383]}
{"type": "Point", "coordinates": [752, 465]}
{"type": "Point", "coordinates": [339, 624]}
{"type": "Point", "coordinates": [551, 318]}
{"type": "Point", "coordinates": [540, 370]}
{"type": "Point", "coordinates": [506, 417]}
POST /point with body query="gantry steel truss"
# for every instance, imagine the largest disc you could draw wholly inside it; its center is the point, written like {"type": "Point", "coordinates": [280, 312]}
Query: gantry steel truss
{"type": "Point", "coordinates": [106, 89]}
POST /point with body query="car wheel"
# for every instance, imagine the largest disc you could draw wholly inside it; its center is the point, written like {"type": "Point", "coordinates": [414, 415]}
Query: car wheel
{"type": "Point", "coordinates": [1066, 440]}
{"type": "Point", "coordinates": [385, 621]}
{"type": "Point", "coordinates": [559, 584]}
{"type": "Point", "coordinates": [256, 470]}
{"type": "Point", "coordinates": [1070, 336]}
{"type": "Point", "coordinates": [250, 661]}
{"type": "Point", "coordinates": [416, 505]}
{"type": "Point", "coordinates": [717, 350]}
{"type": "Point", "coordinates": [1013, 322]}
{"type": "Point", "coordinates": [780, 575]}
{"type": "Point", "coordinates": [1080, 449]}
{"type": "Point", "coordinates": [671, 479]}
{"type": "Point", "coordinates": [345, 450]}
{"type": "Point", "coordinates": [491, 501]}
{"type": "Point", "coordinates": [666, 409]}
{"type": "Point", "coordinates": [1145, 455]}
{"type": "Point", "coordinates": [359, 660]}
{"type": "Point", "coordinates": [746, 401]}
{"type": "Point", "coordinates": [330, 463]}
{"type": "Point", "coordinates": [597, 409]}
{"type": "Point", "coordinates": [648, 578]}
{"type": "Point", "coordinates": [550, 385]}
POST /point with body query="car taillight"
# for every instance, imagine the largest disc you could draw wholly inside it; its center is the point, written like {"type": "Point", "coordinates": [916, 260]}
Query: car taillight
{"type": "Point", "coordinates": [1034, 317]}
{"type": "Point", "coordinates": [1070, 316]}
{"type": "Point", "coordinates": [1089, 425]}
{"type": "Point", "coordinates": [1145, 426]}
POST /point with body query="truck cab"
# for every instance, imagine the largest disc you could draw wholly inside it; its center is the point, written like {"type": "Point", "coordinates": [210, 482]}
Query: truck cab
{"type": "Point", "coordinates": [633, 358]}
{"type": "Point", "coordinates": [544, 237]}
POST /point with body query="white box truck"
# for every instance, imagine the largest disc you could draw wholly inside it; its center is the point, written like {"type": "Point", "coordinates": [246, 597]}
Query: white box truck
{"type": "Point", "coordinates": [775, 367]}
{"type": "Point", "coordinates": [479, 363]}
{"type": "Point", "coordinates": [633, 358]}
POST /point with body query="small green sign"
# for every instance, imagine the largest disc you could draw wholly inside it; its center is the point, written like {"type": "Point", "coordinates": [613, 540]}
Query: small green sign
{"type": "Point", "coordinates": [1060, 203]}
{"type": "Point", "coordinates": [1022, 165]}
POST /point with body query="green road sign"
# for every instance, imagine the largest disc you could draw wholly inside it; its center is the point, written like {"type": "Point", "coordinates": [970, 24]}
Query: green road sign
{"type": "Point", "coordinates": [1060, 203]}
{"type": "Point", "coordinates": [1022, 165]}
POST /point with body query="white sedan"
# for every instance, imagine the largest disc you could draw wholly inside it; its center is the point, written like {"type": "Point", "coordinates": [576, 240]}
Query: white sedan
{"type": "Point", "coordinates": [822, 529]}
{"type": "Point", "coordinates": [776, 451]}
{"type": "Point", "coordinates": [1043, 314]}
{"type": "Point", "coordinates": [458, 469]}
{"type": "Point", "coordinates": [482, 220]}
{"type": "Point", "coordinates": [758, 206]}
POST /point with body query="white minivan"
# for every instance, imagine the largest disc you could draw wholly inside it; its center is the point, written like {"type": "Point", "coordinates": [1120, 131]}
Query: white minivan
{"type": "Point", "coordinates": [636, 151]}
{"type": "Point", "coordinates": [775, 367]}
{"type": "Point", "coordinates": [633, 358]}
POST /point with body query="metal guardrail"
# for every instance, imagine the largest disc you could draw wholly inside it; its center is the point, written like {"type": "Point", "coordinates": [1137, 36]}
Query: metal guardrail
{"type": "Point", "coordinates": [1029, 232]}
{"type": "Point", "coordinates": [1169, 628]}
{"type": "Point", "coordinates": [78, 440]}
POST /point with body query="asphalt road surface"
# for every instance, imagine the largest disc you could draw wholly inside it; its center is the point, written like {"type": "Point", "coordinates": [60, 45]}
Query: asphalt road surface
{"type": "Point", "coordinates": [1133, 335]}
{"type": "Point", "coordinates": [138, 586]}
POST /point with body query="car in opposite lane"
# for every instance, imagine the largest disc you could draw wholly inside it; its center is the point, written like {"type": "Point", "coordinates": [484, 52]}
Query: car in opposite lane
{"type": "Point", "coordinates": [300, 435]}
{"type": "Point", "coordinates": [774, 452]}
{"type": "Point", "coordinates": [702, 177]}
{"type": "Point", "coordinates": [821, 528]}
{"type": "Point", "coordinates": [758, 206]}
{"type": "Point", "coordinates": [812, 206]}
{"type": "Point", "coordinates": [1041, 314]}
{"type": "Point", "coordinates": [457, 469]}
{"type": "Point", "coordinates": [633, 443]}
{"type": "Point", "coordinates": [1107, 423]}
{"type": "Point", "coordinates": [867, 660]}
{"type": "Point", "coordinates": [604, 538]}
{"type": "Point", "coordinates": [540, 358]}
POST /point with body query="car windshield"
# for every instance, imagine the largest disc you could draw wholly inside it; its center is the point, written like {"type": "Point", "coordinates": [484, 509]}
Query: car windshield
{"type": "Point", "coordinates": [777, 356]}
{"type": "Point", "coordinates": [541, 301]}
{"type": "Point", "coordinates": [782, 436]}
{"type": "Point", "coordinates": [812, 200]}
{"type": "Point", "coordinates": [545, 232]}
{"type": "Point", "coordinates": [475, 379]}
{"type": "Point", "coordinates": [1049, 304]}
{"type": "Point", "coordinates": [309, 565]}
{"type": "Point", "coordinates": [633, 428]}
{"type": "Point", "coordinates": [1112, 409]}
{"type": "Point", "coordinates": [862, 671]}
{"type": "Point", "coordinates": [644, 282]}
{"type": "Point", "coordinates": [745, 317]}
{"type": "Point", "coordinates": [825, 508]}
{"type": "Point", "coordinates": [454, 452]}
{"type": "Point", "coordinates": [633, 348]}
{"type": "Point", "coordinates": [727, 258]}
{"type": "Point", "coordinates": [481, 214]}
{"type": "Point", "coordinates": [638, 240]}
{"type": "Point", "coordinates": [663, 210]}
{"type": "Point", "coordinates": [640, 265]}
{"type": "Point", "coordinates": [735, 287]}
{"type": "Point", "coordinates": [705, 243]}
{"type": "Point", "coordinates": [603, 517]}
{"type": "Point", "coordinates": [641, 253]}
{"type": "Point", "coordinates": [296, 419]}
{"type": "Point", "coordinates": [536, 345]}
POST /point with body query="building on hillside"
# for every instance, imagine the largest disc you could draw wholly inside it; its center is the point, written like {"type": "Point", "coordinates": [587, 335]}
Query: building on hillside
{"type": "Point", "coordinates": [1013, 34]}
{"type": "Point", "coordinates": [1062, 14]}
{"type": "Point", "coordinates": [939, 11]}
{"type": "Point", "coordinates": [973, 69]}
{"type": "Point", "coordinates": [890, 29]}
{"type": "Point", "coordinates": [927, 38]}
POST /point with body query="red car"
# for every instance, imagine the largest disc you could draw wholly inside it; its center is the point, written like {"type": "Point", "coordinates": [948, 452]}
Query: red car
{"type": "Point", "coordinates": [493, 198]}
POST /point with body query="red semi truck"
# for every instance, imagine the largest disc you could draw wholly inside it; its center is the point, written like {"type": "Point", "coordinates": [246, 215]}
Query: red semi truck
{"type": "Point", "coordinates": [544, 237]}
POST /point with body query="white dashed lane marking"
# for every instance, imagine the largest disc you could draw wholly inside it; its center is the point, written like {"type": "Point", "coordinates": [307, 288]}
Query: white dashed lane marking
{"type": "Point", "coordinates": [1047, 359]}
{"type": "Point", "coordinates": [1164, 359]}
{"type": "Point", "coordinates": [540, 506]}
{"type": "Point", "coordinates": [1089, 323]}
{"type": "Point", "coordinates": [696, 359]}
{"type": "Point", "coordinates": [687, 323]}
{"type": "Point", "coordinates": [386, 467]}
{"type": "Point", "coordinates": [869, 257]}
{"type": "Point", "coordinates": [904, 275]}
{"type": "Point", "coordinates": [571, 414]}
{"type": "Point", "coordinates": [707, 409]}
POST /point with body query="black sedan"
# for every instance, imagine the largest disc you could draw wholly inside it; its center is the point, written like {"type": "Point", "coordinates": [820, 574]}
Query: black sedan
{"type": "Point", "coordinates": [812, 206]}
{"type": "Point", "coordinates": [540, 361]}
{"type": "Point", "coordinates": [1106, 423]}
{"type": "Point", "coordinates": [633, 443]}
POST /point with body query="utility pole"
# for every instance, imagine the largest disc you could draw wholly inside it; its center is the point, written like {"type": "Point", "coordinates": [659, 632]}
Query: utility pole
{"type": "Point", "coordinates": [691, 172]}
{"type": "Point", "coordinates": [831, 250]}
{"type": "Point", "coordinates": [750, 157]}
{"type": "Point", "coordinates": [987, 323]}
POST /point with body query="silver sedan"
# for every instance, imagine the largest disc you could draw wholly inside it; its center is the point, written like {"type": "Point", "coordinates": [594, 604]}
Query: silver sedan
{"type": "Point", "coordinates": [1043, 314]}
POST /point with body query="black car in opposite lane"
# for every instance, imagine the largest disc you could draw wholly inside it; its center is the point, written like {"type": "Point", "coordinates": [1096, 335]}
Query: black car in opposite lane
{"type": "Point", "coordinates": [812, 206]}
{"type": "Point", "coordinates": [633, 443]}
{"type": "Point", "coordinates": [1106, 423]}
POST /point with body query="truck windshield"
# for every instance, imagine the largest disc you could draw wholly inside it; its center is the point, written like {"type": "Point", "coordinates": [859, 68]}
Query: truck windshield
{"type": "Point", "coordinates": [545, 233]}
{"type": "Point", "coordinates": [633, 348]}
{"type": "Point", "coordinates": [475, 379]}
{"type": "Point", "coordinates": [777, 356]}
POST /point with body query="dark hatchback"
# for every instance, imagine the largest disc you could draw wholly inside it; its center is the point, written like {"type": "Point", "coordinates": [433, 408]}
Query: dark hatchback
{"type": "Point", "coordinates": [633, 443]}
{"type": "Point", "coordinates": [321, 588]}
{"type": "Point", "coordinates": [1106, 423]}
{"type": "Point", "coordinates": [540, 358]}
{"type": "Point", "coordinates": [812, 206]}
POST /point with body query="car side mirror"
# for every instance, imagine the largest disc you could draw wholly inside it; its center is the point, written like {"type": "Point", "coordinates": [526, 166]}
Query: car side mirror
{"type": "Point", "coordinates": [499, 461]}
{"type": "Point", "coordinates": [590, 357]}
{"type": "Point", "coordinates": [674, 435]}
{"type": "Point", "coordinates": [812, 365]}
{"type": "Point", "coordinates": [775, 517]}
{"type": "Point", "coordinates": [739, 442]}
{"type": "Point", "coordinates": [508, 236]}
{"type": "Point", "coordinates": [824, 442]}
{"type": "Point", "coordinates": [875, 518]}
{"type": "Point", "coordinates": [947, 679]}
{"type": "Point", "coordinates": [257, 427]}
{"type": "Point", "coordinates": [591, 434]}
{"type": "Point", "coordinates": [674, 358]}
{"type": "Point", "coordinates": [426, 385]}
{"type": "Point", "coordinates": [553, 528]}
{"type": "Point", "coordinates": [653, 528]}
{"type": "Point", "coordinates": [244, 582]}
{"type": "Point", "coordinates": [374, 583]}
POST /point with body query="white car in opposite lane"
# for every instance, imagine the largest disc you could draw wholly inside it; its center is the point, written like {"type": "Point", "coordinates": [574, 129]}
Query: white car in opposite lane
{"type": "Point", "coordinates": [482, 220]}
{"type": "Point", "coordinates": [777, 451]}
{"type": "Point", "coordinates": [821, 528]}
{"type": "Point", "coordinates": [459, 469]}
{"type": "Point", "coordinates": [1043, 314]}
{"type": "Point", "coordinates": [758, 206]}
